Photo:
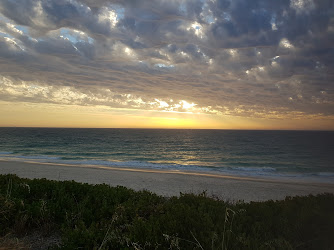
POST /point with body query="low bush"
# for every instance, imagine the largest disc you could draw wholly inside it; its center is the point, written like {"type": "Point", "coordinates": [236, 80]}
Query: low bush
{"type": "Point", "coordinates": [104, 217]}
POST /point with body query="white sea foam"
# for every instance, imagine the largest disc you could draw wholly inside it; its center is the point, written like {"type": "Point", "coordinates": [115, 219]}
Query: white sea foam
{"type": "Point", "coordinates": [29, 157]}
{"type": "Point", "coordinates": [326, 174]}
{"type": "Point", "coordinates": [133, 164]}
{"type": "Point", "coordinates": [252, 169]}
{"type": "Point", "coordinates": [266, 172]}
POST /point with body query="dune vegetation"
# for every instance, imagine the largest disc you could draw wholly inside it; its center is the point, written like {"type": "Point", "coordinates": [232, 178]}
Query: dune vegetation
{"type": "Point", "coordinates": [70, 215]}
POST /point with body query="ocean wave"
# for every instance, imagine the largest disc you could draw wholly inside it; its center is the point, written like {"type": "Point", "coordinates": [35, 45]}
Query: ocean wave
{"type": "Point", "coordinates": [244, 171]}
{"type": "Point", "coordinates": [325, 174]}
{"type": "Point", "coordinates": [5, 153]}
{"type": "Point", "coordinates": [135, 164]}
{"type": "Point", "coordinates": [256, 169]}
{"type": "Point", "coordinates": [250, 171]}
{"type": "Point", "coordinates": [30, 157]}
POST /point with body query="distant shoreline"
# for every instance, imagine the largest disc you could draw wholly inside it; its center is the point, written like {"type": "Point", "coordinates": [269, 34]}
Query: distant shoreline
{"type": "Point", "coordinates": [169, 183]}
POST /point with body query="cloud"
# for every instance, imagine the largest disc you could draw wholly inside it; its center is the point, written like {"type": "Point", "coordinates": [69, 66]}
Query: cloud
{"type": "Point", "coordinates": [245, 58]}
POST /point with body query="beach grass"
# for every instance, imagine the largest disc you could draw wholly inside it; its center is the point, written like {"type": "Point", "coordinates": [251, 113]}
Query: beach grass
{"type": "Point", "coordinates": [73, 215]}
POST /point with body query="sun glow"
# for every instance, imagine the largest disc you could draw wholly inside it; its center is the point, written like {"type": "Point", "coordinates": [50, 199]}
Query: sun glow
{"type": "Point", "coordinates": [174, 122]}
{"type": "Point", "coordinates": [52, 115]}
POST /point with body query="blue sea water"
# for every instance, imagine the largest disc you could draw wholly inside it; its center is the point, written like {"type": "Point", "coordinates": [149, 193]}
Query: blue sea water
{"type": "Point", "coordinates": [278, 154]}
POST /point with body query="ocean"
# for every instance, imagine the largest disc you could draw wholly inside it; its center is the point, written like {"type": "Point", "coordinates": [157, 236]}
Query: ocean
{"type": "Point", "coordinates": [307, 155]}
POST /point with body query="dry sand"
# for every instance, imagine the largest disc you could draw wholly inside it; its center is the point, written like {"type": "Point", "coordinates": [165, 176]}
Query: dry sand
{"type": "Point", "coordinates": [168, 183]}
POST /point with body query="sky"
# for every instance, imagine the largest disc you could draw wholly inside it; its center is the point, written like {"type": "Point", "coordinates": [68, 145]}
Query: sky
{"type": "Point", "coordinates": [216, 64]}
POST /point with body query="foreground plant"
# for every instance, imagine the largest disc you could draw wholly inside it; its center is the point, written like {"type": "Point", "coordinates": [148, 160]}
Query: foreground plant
{"type": "Point", "coordinates": [74, 215]}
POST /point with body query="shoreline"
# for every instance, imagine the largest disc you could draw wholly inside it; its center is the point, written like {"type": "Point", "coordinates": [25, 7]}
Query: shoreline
{"type": "Point", "coordinates": [169, 182]}
{"type": "Point", "coordinates": [320, 178]}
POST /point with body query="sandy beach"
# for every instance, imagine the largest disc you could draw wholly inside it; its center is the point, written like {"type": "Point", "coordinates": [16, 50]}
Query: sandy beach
{"type": "Point", "coordinates": [168, 183]}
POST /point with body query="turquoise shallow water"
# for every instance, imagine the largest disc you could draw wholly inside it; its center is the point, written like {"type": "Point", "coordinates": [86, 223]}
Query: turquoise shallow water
{"type": "Point", "coordinates": [292, 154]}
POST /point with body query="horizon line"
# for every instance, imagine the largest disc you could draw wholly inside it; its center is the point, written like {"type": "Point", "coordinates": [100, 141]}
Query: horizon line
{"type": "Point", "coordinates": [234, 129]}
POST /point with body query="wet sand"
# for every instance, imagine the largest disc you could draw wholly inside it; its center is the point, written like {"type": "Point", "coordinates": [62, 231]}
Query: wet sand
{"type": "Point", "coordinates": [169, 183]}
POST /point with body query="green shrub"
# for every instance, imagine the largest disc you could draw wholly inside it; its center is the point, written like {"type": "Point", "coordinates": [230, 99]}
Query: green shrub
{"type": "Point", "coordinates": [104, 217]}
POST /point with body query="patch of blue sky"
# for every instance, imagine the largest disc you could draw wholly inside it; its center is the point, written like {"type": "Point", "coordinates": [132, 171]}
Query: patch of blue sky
{"type": "Point", "coordinates": [162, 65]}
{"type": "Point", "coordinates": [226, 16]}
{"type": "Point", "coordinates": [273, 23]}
{"type": "Point", "coordinates": [6, 35]}
{"type": "Point", "coordinates": [209, 19]}
{"type": "Point", "coordinates": [183, 8]}
{"type": "Point", "coordinates": [3, 18]}
{"type": "Point", "coordinates": [119, 11]}
{"type": "Point", "coordinates": [33, 86]}
{"type": "Point", "coordinates": [70, 35]}
{"type": "Point", "coordinates": [24, 29]}
{"type": "Point", "coordinates": [207, 13]}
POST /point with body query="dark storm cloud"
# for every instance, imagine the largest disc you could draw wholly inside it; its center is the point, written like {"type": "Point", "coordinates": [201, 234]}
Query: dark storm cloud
{"type": "Point", "coordinates": [238, 57]}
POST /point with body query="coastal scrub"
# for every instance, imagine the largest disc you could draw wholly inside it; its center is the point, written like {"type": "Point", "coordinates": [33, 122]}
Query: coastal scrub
{"type": "Point", "coordinates": [104, 217]}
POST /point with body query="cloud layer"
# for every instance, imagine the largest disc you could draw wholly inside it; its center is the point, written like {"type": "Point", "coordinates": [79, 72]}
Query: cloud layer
{"type": "Point", "coordinates": [247, 58]}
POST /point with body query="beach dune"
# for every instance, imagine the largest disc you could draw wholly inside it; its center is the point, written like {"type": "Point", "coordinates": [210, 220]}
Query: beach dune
{"type": "Point", "coordinates": [169, 183]}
